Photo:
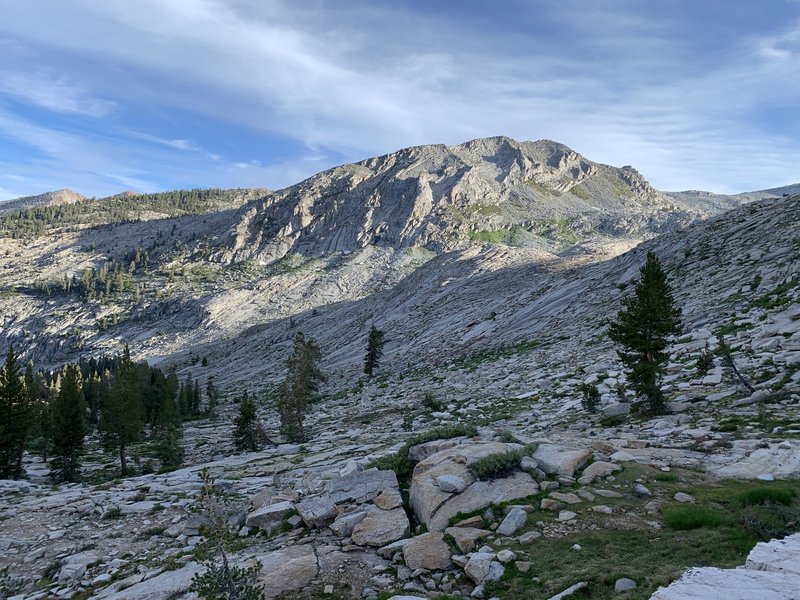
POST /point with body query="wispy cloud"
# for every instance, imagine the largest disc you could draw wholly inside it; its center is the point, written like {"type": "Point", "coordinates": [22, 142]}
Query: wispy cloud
{"type": "Point", "coordinates": [623, 82]}
{"type": "Point", "coordinates": [56, 93]}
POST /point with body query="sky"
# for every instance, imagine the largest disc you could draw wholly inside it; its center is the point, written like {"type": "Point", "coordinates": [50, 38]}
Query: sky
{"type": "Point", "coordinates": [104, 96]}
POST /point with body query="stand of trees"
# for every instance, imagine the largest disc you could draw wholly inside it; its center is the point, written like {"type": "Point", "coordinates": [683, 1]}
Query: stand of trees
{"type": "Point", "coordinates": [51, 412]}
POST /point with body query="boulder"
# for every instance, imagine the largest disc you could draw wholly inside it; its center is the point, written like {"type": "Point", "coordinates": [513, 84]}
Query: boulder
{"type": "Point", "coordinates": [427, 551]}
{"type": "Point", "coordinates": [466, 537]}
{"type": "Point", "coordinates": [388, 499]}
{"type": "Point", "coordinates": [381, 527]}
{"type": "Point", "coordinates": [450, 483]}
{"type": "Point", "coordinates": [267, 516]}
{"type": "Point", "coordinates": [434, 506]}
{"type": "Point", "coordinates": [558, 460]}
{"type": "Point", "coordinates": [514, 520]}
{"type": "Point", "coordinates": [361, 486]}
{"type": "Point", "coordinates": [317, 511]}
{"type": "Point", "coordinates": [598, 470]}
{"type": "Point", "coordinates": [289, 569]}
{"type": "Point", "coordinates": [483, 567]}
{"type": "Point", "coordinates": [344, 524]}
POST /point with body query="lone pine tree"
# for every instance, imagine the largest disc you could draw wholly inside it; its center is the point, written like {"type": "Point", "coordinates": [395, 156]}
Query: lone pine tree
{"type": "Point", "coordinates": [648, 318]}
{"type": "Point", "coordinates": [68, 426]}
{"type": "Point", "coordinates": [374, 350]}
{"type": "Point", "coordinates": [302, 380]}
{"type": "Point", "coordinates": [121, 410]}
{"type": "Point", "coordinates": [15, 418]}
{"type": "Point", "coordinates": [248, 433]}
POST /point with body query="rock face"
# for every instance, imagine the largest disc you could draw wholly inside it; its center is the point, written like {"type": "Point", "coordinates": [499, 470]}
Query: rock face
{"type": "Point", "coordinates": [434, 507]}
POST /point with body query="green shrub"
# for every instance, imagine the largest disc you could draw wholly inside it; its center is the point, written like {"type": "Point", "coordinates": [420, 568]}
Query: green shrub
{"type": "Point", "coordinates": [432, 403]}
{"type": "Point", "coordinates": [112, 513]}
{"type": "Point", "coordinates": [590, 397]}
{"type": "Point", "coordinates": [499, 464]}
{"type": "Point", "coordinates": [665, 477]}
{"type": "Point", "coordinates": [704, 362]}
{"type": "Point", "coordinates": [692, 517]}
{"type": "Point", "coordinates": [613, 421]}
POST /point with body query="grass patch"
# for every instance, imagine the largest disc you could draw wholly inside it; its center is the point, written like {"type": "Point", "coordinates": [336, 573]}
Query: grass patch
{"type": "Point", "coordinates": [765, 494]}
{"type": "Point", "coordinates": [685, 518]}
{"type": "Point", "coordinates": [665, 476]}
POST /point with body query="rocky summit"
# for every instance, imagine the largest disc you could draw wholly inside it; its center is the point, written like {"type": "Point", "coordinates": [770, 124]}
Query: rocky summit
{"type": "Point", "coordinates": [470, 464]}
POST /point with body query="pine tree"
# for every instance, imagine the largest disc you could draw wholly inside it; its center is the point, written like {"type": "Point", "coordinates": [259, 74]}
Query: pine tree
{"type": "Point", "coordinates": [15, 418]}
{"type": "Point", "coordinates": [213, 398]}
{"type": "Point", "coordinates": [69, 426]}
{"type": "Point", "coordinates": [168, 433]}
{"type": "Point", "coordinates": [248, 434]}
{"type": "Point", "coordinates": [121, 413]}
{"type": "Point", "coordinates": [196, 397]}
{"type": "Point", "coordinates": [302, 380]}
{"type": "Point", "coordinates": [642, 329]}
{"type": "Point", "coordinates": [374, 350]}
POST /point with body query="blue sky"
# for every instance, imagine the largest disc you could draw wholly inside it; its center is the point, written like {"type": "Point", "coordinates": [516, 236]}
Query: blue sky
{"type": "Point", "coordinates": [104, 96]}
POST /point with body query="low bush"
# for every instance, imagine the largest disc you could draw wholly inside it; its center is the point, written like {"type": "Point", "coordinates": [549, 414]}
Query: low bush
{"type": "Point", "coordinates": [499, 464]}
{"type": "Point", "coordinates": [590, 397]}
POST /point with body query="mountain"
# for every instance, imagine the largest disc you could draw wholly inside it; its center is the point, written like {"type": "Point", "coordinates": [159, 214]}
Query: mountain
{"type": "Point", "coordinates": [55, 198]}
{"type": "Point", "coordinates": [530, 194]}
{"type": "Point", "coordinates": [175, 272]}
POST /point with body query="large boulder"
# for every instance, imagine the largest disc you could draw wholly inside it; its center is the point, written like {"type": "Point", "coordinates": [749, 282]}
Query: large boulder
{"type": "Point", "coordinates": [288, 569]}
{"type": "Point", "coordinates": [558, 460]}
{"type": "Point", "coordinates": [381, 527]}
{"type": "Point", "coordinates": [427, 551]}
{"type": "Point", "coordinates": [434, 506]}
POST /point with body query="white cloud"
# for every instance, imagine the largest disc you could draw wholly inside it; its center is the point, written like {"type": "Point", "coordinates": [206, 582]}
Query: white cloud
{"type": "Point", "coordinates": [55, 93]}
{"type": "Point", "coordinates": [361, 79]}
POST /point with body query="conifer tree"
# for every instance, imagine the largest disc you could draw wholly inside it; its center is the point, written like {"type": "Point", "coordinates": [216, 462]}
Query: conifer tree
{"type": "Point", "coordinates": [213, 398]}
{"type": "Point", "coordinates": [168, 433]}
{"type": "Point", "coordinates": [648, 318]}
{"type": "Point", "coordinates": [374, 350]}
{"type": "Point", "coordinates": [121, 414]}
{"type": "Point", "coordinates": [302, 380]}
{"type": "Point", "coordinates": [69, 426]}
{"type": "Point", "coordinates": [248, 434]}
{"type": "Point", "coordinates": [15, 418]}
{"type": "Point", "coordinates": [196, 397]}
